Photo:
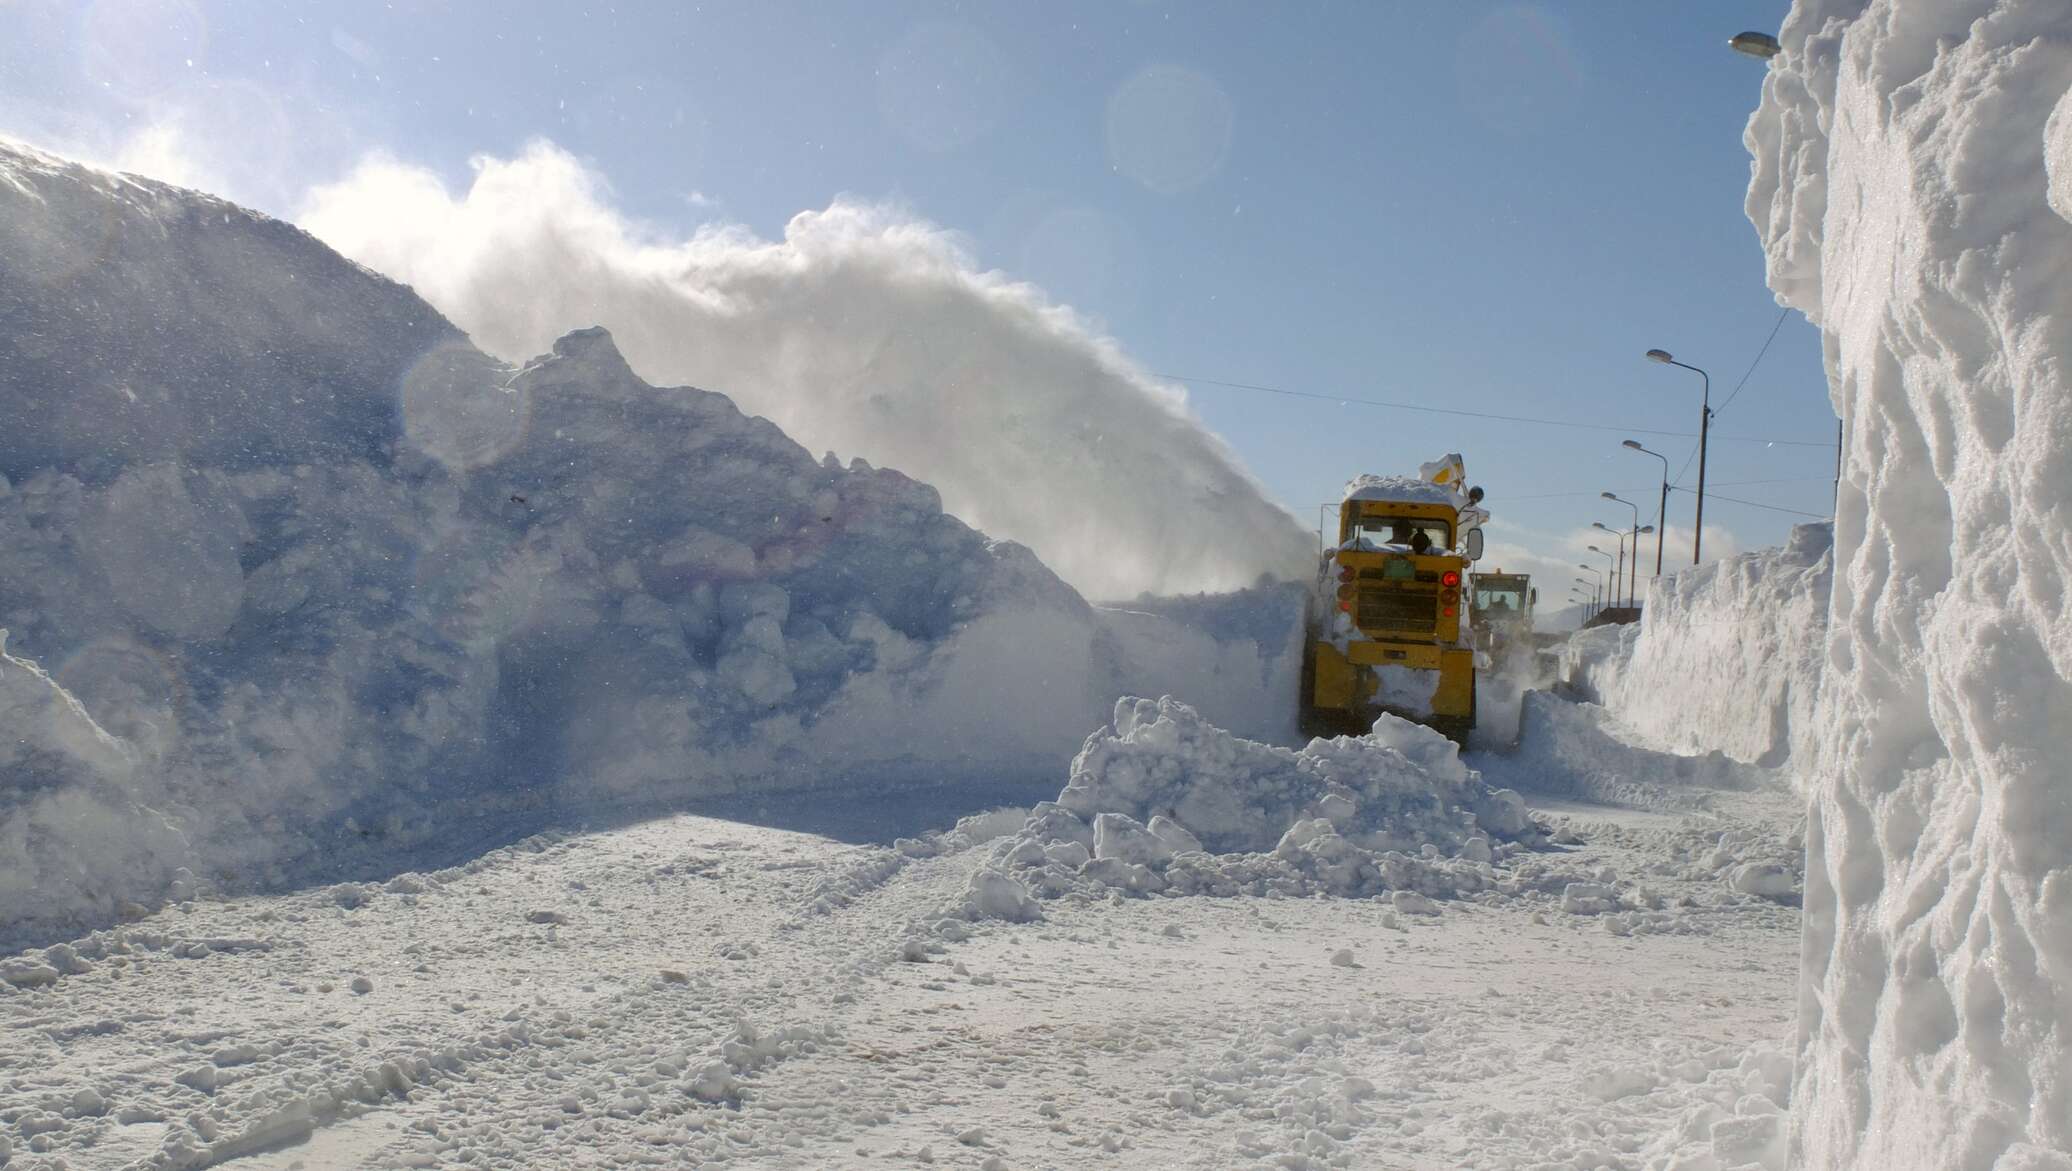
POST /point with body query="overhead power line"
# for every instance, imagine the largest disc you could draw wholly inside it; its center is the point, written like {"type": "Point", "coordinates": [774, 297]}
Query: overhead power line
{"type": "Point", "coordinates": [1710, 495]}
{"type": "Point", "coordinates": [1396, 406]}
{"type": "Point", "coordinates": [1781, 314]}
{"type": "Point", "coordinates": [1673, 488]}
{"type": "Point", "coordinates": [1745, 374]}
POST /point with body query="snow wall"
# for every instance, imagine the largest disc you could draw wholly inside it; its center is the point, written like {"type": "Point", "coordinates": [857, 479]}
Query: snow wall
{"type": "Point", "coordinates": [1912, 186]}
{"type": "Point", "coordinates": [1728, 657]}
{"type": "Point", "coordinates": [289, 566]}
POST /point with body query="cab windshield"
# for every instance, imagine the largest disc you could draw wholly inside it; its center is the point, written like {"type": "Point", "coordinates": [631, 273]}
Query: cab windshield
{"type": "Point", "coordinates": [1508, 599]}
{"type": "Point", "coordinates": [1416, 533]}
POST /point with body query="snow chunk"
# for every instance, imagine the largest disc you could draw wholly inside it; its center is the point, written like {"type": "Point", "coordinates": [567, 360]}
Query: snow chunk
{"type": "Point", "coordinates": [1173, 834]}
{"type": "Point", "coordinates": [995, 895]}
{"type": "Point", "coordinates": [1768, 880]}
{"type": "Point", "coordinates": [1120, 836]}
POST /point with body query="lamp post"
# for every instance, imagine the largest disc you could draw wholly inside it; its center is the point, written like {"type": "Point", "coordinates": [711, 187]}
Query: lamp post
{"type": "Point", "coordinates": [1611, 593]}
{"type": "Point", "coordinates": [1589, 603]}
{"type": "Point", "coordinates": [1597, 582]}
{"type": "Point", "coordinates": [1704, 432]}
{"type": "Point", "coordinates": [1619, 576]}
{"type": "Point", "coordinates": [1662, 516]}
{"type": "Point", "coordinates": [1635, 572]}
{"type": "Point", "coordinates": [1638, 533]}
{"type": "Point", "coordinates": [1761, 45]}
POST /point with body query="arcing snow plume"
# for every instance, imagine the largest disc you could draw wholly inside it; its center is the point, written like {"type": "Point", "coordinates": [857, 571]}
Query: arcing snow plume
{"type": "Point", "coordinates": [1904, 163]}
{"type": "Point", "coordinates": [863, 332]}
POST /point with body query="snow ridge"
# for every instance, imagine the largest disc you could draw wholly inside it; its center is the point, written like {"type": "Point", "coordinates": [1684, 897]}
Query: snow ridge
{"type": "Point", "coordinates": [330, 577]}
{"type": "Point", "coordinates": [1752, 628]}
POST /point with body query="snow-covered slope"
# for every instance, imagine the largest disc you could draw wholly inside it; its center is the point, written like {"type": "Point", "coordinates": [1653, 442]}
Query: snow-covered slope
{"type": "Point", "coordinates": [1904, 158]}
{"type": "Point", "coordinates": [318, 570]}
{"type": "Point", "coordinates": [1728, 658]}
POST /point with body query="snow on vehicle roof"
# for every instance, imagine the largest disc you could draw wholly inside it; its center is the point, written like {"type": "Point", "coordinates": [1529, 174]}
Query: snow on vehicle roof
{"type": "Point", "coordinates": [1400, 490]}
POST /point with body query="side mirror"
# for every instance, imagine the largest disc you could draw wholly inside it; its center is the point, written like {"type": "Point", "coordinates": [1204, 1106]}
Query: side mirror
{"type": "Point", "coordinates": [1535, 597]}
{"type": "Point", "coordinates": [1474, 546]}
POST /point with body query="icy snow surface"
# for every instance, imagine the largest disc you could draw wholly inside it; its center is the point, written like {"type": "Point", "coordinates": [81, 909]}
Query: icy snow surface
{"type": "Point", "coordinates": [1728, 658]}
{"type": "Point", "coordinates": [332, 578]}
{"type": "Point", "coordinates": [695, 992]}
{"type": "Point", "coordinates": [1905, 155]}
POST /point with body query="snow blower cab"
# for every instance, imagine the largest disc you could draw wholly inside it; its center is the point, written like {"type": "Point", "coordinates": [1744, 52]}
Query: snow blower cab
{"type": "Point", "coordinates": [1388, 628]}
{"type": "Point", "coordinates": [1500, 611]}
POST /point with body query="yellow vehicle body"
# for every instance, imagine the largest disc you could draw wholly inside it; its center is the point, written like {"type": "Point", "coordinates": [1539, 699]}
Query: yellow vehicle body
{"type": "Point", "coordinates": [1381, 606]}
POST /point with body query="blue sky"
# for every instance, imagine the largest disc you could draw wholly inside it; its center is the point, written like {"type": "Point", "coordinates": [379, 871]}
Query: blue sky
{"type": "Point", "coordinates": [1485, 207]}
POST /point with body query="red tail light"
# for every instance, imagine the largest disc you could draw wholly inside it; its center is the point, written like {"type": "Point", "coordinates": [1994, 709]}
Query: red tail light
{"type": "Point", "coordinates": [1448, 611]}
{"type": "Point", "coordinates": [1450, 578]}
{"type": "Point", "coordinates": [1345, 573]}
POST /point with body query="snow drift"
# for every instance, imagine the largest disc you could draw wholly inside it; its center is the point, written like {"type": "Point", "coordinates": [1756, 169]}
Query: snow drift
{"type": "Point", "coordinates": [335, 575]}
{"type": "Point", "coordinates": [1582, 750]}
{"type": "Point", "coordinates": [1728, 658]}
{"type": "Point", "coordinates": [1161, 800]}
{"type": "Point", "coordinates": [1908, 158]}
{"type": "Point", "coordinates": [863, 331]}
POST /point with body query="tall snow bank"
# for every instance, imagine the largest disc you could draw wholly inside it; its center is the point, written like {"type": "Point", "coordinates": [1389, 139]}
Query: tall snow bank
{"type": "Point", "coordinates": [863, 331]}
{"type": "Point", "coordinates": [1906, 156]}
{"type": "Point", "coordinates": [448, 585]}
{"type": "Point", "coordinates": [1727, 656]}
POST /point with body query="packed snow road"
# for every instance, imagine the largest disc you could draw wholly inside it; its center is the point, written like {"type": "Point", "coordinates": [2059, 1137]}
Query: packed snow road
{"type": "Point", "coordinates": [700, 990]}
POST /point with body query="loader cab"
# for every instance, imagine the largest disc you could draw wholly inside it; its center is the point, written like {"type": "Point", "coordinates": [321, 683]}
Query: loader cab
{"type": "Point", "coordinates": [1395, 527]}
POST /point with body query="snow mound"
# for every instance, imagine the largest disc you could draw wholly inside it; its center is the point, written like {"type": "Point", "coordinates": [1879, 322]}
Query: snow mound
{"type": "Point", "coordinates": [1401, 785]}
{"type": "Point", "coordinates": [1906, 158]}
{"type": "Point", "coordinates": [393, 581]}
{"type": "Point", "coordinates": [1162, 801]}
{"type": "Point", "coordinates": [1402, 490]}
{"type": "Point", "coordinates": [1727, 657]}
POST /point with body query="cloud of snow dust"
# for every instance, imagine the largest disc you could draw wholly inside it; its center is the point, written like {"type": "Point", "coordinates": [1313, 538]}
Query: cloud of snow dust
{"type": "Point", "coordinates": [863, 331]}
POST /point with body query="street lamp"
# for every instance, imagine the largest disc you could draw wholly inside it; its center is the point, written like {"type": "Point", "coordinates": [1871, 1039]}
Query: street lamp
{"type": "Point", "coordinates": [1661, 517]}
{"type": "Point", "coordinates": [1704, 432]}
{"type": "Point", "coordinates": [1612, 594]}
{"type": "Point", "coordinates": [1596, 587]}
{"type": "Point", "coordinates": [1635, 571]}
{"type": "Point", "coordinates": [1597, 580]}
{"type": "Point", "coordinates": [1618, 575]}
{"type": "Point", "coordinates": [1755, 44]}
